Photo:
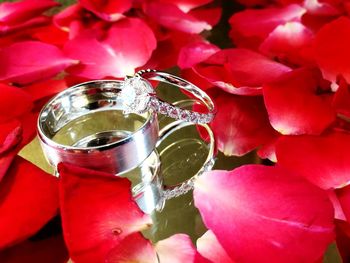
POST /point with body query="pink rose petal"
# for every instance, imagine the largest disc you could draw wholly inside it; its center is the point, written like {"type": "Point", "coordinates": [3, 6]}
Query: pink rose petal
{"type": "Point", "coordinates": [129, 44]}
{"type": "Point", "coordinates": [178, 249]}
{"type": "Point", "coordinates": [187, 5]}
{"type": "Point", "coordinates": [287, 41]}
{"type": "Point", "coordinates": [14, 102]}
{"type": "Point", "coordinates": [133, 248]}
{"type": "Point", "coordinates": [240, 71]}
{"type": "Point", "coordinates": [170, 16]}
{"type": "Point", "coordinates": [251, 26]}
{"type": "Point", "coordinates": [107, 10]}
{"type": "Point", "coordinates": [194, 53]}
{"type": "Point", "coordinates": [30, 61]}
{"type": "Point", "coordinates": [46, 88]}
{"type": "Point", "coordinates": [210, 15]}
{"type": "Point", "coordinates": [331, 49]}
{"type": "Point", "coordinates": [28, 200]}
{"type": "Point", "coordinates": [241, 123]}
{"type": "Point", "coordinates": [21, 11]}
{"type": "Point", "coordinates": [323, 160]}
{"type": "Point", "coordinates": [209, 247]}
{"type": "Point", "coordinates": [261, 214]}
{"type": "Point", "coordinates": [107, 212]}
{"type": "Point", "coordinates": [293, 104]}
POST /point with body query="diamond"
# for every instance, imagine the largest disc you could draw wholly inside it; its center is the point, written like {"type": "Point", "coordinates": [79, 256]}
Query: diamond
{"type": "Point", "coordinates": [135, 95]}
{"type": "Point", "coordinates": [194, 117]}
{"type": "Point", "coordinates": [185, 115]}
{"type": "Point", "coordinates": [154, 104]}
{"type": "Point", "coordinates": [163, 108]}
{"type": "Point", "coordinates": [173, 112]}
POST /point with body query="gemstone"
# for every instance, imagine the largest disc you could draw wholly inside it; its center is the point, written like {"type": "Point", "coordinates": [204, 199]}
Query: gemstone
{"type": "Point", "coordinates": [173, 112]}
{"type": "Point", "coordinates": [135, 95]}
{"type": "Point", "coordinates": [163, 108]}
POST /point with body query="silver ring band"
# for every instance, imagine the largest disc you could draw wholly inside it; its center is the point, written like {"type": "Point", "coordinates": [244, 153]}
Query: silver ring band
{"type": "Point", "coordinates": [139, 96]}
{"type": "Point", "coordinates": [172, 191]}
{"type": "Point", "coordinates": [123, 150]}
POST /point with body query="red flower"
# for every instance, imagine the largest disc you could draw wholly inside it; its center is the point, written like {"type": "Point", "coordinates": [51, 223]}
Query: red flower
{"type": "Point", "coordinates": [261, 214]}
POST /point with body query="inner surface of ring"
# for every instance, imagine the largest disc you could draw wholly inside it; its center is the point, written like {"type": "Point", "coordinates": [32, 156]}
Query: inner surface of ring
{"type": "Point", "coordinates": [89, 115]}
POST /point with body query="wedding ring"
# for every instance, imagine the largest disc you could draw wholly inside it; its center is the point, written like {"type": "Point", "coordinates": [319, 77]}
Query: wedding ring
{"type": "Point", "coordinates": [139, 96]}
{"type": "Point", "coordinates": [171, 191]}
{"type": "Point", "coordinates": [68, 132]}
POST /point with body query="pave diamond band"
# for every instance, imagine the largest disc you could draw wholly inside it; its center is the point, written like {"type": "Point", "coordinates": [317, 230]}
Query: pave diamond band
{"type": "Point", "coordinates": [139, 96]}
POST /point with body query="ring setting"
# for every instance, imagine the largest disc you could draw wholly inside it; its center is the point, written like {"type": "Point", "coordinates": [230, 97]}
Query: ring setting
{"type": "Point", "coordinates": [138, 96]}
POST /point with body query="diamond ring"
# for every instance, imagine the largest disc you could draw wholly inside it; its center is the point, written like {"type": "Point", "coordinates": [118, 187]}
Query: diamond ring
{"type": "Point", "coordinates": [138, 96]}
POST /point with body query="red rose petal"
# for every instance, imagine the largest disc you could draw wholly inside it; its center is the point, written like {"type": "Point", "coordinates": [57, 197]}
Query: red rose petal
{"type": "Point", "coordinates": [168, 49]}
{"type": "Point", "coordinates": [343, 195]}
{"type": "Point", "coordinates": [187, 5]}
{"type": "Point", "coordinates": [287, 41]}
{"type": "Point", "coordinates": [28, 200]}
{"type": "Point", "coordinates": [260, 214]}
{"type": "Point", "coordinates": [71, 13]}
{"type": "Point", "coordinates": [14, 102]}
{"type": "Point", "coordinates": [323, 160]}
{"type": "Point", "coordinates": [33, 22]}
{"type": "Point", "coordinates": [30, 61]}
{"type": "Point", "coordinates": [107, 212]}
{"type": "Point", "coordinates": [341, 99]}
{"type": "Point", "coordinates": [133, 248]}
{"type": "Point", "coordinates": [51, 250]}
{"type": "Point", "coordinates": [194, 53]}
{"type": "Point", "coordinates": [10, 137]}
{"type": "Point", "coordinates": [178, 249]}
{"type": "Point", "coordinates": [241, 123]}
{"type": "Point", "coordinates": [23, 10]}
{"type": "Point", "coordinates": [293, 104]}
{"type": "Point", "coordinates": [170, 16]}
{"type": "Point", "coordinates": [51, 34]}
{"type": "Point", "coordinates": [343, 239]}
{"type": "Point", "coordinates": [210, 15]}
{"type": "Point", "coordinates": [209, 247]}
{"type": "Point", "coordinates": [42, 89]}
{"type": "Point", "coordinates": [251, 26]}
{"type": "Point", "coordinates": [107, 10]}
{"type": "Point", "coordinates": [240, 71]}
{"type": "Point", "coordinates": [268, 150]}
{"type": "Point", "coordinates": [129, 44]}
{"type": "Point", "coordinates": [338, 210]}
{"type": "Point", "coordinates": [332, 49]}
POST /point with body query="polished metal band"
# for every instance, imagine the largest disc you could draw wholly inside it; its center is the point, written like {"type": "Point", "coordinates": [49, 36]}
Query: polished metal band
{"type": "Point", "coordinates": [122, 151]}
